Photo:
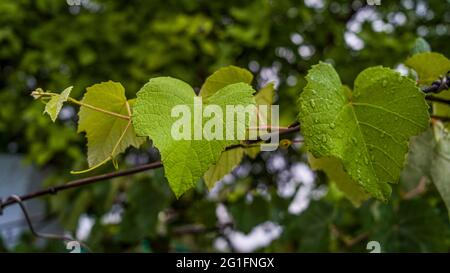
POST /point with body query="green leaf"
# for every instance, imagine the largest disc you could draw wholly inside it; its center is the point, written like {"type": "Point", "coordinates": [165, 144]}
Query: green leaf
{"type": "Point", "coordinates": [228, 159]}
{"type": "Point", "coordinates": [412, 226]}
{"type": "Point", "coordinates": [227, 162]}
{"type": "Point", "coordinates": [367, 129]}
{"type": "Point", "coordinates": [440, 169]}
{"type": "Point", "coordinates": [247, 215]}
{"type": "Point", "coordinates": [102, 130]}
{"type": "Point", "coordinates": [429, 157]}
{"type": "Point", "coordinates": [311, 228]}
{"type": "Point", "coordinates": [334, 170]}
{"type": "Point", "coordinates": [429, 66]}
{"type": "Point", "coordinates": [54, 105]}
{"type": "Point", "coordinates": [419, 160]}
{"type": "Point", "coordinates": [185, 161]}
{"type": "Point", "coordinates": [263, 97]}
{"type": "Point", "coordinates": [223, 77]}
{"type": "Point", "coordinates": [420, 46]}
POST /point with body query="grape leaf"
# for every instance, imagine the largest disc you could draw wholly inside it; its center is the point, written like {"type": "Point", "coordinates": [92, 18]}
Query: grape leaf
{"type": "Point", "coordinates": [54, 105]}
{"type": "Point", "coordinates": [263, 97]}
{"type": "Point", "coordinates": [228, 159]}
{"type": "Point", "coordinates": [419, 160]}
{"type": "Point", "coordinates": [429, 157]}
{"type": "Point", "coordinates": [440, 169]}
{"type": "Point", "coordinates": [367, 129]}
{"type": "Point", "coordinates": [223, 77]}
{"type": "Point", "coordinates": [334, 170]}
{"type": "Point", "coordinates": [102, 130]}
{"type": "Point", "coordinates": [185, 161]}
{"type": "Point", "coordinates": [429, 66]}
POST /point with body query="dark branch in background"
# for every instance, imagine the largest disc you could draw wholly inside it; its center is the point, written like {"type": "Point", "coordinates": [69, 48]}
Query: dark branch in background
{"type": "Point", "coordinates": [437, 99]}
{"type": "Point", "coordinates": [439, 85]}
{"type": "Point", "coordinates": [94, 179]}
{"type": "Point", "coordinates": [80, 182]}
{"type": "Point", "coordinates": [441, 118]}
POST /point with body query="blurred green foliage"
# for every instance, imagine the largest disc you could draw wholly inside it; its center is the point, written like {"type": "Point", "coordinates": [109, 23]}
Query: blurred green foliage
{"type": "Point", "coordinates": [49, 44]}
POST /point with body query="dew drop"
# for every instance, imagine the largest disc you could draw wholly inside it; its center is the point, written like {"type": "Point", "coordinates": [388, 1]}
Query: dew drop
{"type": "Point", "coordinates": [332, 125]}
{"type": "Point", "coordinates": [312, 103]}
{"type": "Point", "coordinates": [324, 139]}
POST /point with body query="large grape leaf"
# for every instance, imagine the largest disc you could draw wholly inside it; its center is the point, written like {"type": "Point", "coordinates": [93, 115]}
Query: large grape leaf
{"type": "Point", "coordinates": [103, 131]}
{"type": "Point", "coordinates": [367, 129]}
{"type": "Point", "coordinates": [54, 105]}
{"type": "Point", "coordinates": [185, 161]}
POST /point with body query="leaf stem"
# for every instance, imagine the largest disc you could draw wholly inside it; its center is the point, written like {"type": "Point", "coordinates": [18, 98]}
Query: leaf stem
{"type": "Point", "coordinates": [74, 101]}
{"type": "Point", "coordinates": [80, 103]}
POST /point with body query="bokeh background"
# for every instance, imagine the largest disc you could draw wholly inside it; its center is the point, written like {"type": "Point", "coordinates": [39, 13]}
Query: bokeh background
{"type": "Point", "coordinates": [272, 204]}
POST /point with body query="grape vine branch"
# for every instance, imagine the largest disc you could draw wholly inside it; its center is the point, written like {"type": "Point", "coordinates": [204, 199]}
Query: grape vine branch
{"type": "Point", "coordinates": [295, 127]}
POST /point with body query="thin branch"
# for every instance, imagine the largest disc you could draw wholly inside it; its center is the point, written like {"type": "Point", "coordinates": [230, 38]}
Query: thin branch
{"type": "Point", "coordinates": [437, 99]}
{"type": "Point", "coordinates": [418, 190]}
{"type": "Point", "coordinates": [103, 177]}
{"type": "Point", "coordinates": [438, 86]}
{"type": "Point", "coordinates": [98, 109]}
{"type": "Point", "coordinates": [441, 118]}
{"type": "Point", "coordinates": [82, 182]}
